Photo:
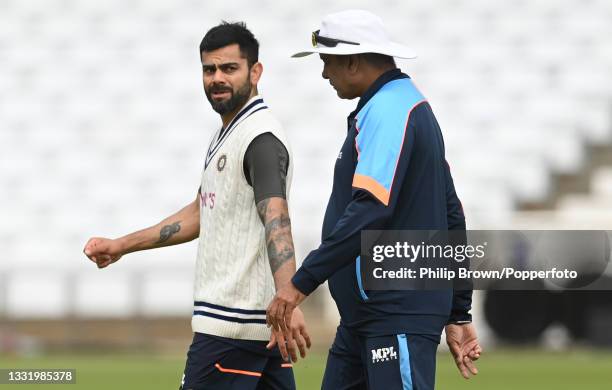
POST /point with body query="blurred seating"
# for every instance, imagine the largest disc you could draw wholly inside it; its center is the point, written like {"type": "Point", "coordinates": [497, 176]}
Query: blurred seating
{"type": "Point", "coordinates": [104, 124]}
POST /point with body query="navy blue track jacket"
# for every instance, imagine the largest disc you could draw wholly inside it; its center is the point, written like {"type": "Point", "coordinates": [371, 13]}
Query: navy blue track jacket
{"type": "Point", "coordinates": [391, 174]}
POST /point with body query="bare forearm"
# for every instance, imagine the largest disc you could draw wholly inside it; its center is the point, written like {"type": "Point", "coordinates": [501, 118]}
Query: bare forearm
{"type": "Point", "coordinates": [181, 227]}
{"type": "Point", "coordinates": [274, 215]}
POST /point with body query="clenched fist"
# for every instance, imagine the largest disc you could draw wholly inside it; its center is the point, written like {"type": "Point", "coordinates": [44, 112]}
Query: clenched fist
{"type": "Point", "coordinates": [103, 251]}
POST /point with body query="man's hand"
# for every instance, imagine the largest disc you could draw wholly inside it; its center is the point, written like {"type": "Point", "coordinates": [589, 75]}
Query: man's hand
{"type": "Point", "coordinates": [463, 344]}
{"type": "Point", "coordinates": [278, 314]}
{"type": "Point", "coordinates": [103, 251]}
{"type": "Point", "coordinates": [298, 337]}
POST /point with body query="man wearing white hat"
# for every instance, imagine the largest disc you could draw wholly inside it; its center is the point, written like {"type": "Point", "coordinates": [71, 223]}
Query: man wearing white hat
{"type": "Point", "coordinates": [391, 174]}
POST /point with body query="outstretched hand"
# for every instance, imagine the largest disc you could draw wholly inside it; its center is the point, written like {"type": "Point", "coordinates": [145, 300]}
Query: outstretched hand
{"type": "Point", "coordinates": [102, 251]}
{"type": "Point", "coordinates": [463, 344]}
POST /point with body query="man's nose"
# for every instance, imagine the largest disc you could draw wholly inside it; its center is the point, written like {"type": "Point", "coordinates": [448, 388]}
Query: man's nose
{"type": "Point", "coordinates": [218, 77]}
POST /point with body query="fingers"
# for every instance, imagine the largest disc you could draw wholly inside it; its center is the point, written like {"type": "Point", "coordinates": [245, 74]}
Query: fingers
{"type": "Point", "coordinates": [287, 346]}
{"type": "Point", "coordinates": [470, 365]}
{"type": "Point", "coordinates": [462, 368]}
{"type": "Point", "coordinates": [287, 316]}
{"type": "Point", "coordinates": [291, 346]}
{"type": "Point", "coordinates": [475, 352]}
{"type": "Point", "coordinates": [272, 342]}
{"type": "Point", "coordinates": [270, 319]}
{"type": "Point", "coordinates": [454, 348]}
{"type": "Point", "coordinates": [301, 343]}
{"type": "Point", "coordinates": [91, 247]}
{"type": "Point", "coordinates": [279, 316]}
{"type": "Point", "coordinates": [275, 315]}
{"type": "Point", "coordinates": [306, 336]}
{"type": "Point", "coordinates": [282, 344]}
{"type": "Point", "coordinates": [463, 344]}
{"type": "Point", "coordinates": [86, 247]}
{"type": "Point", "coordinates": [271, 314]}
{"type": "Point", "coordinates": [95, 251]}
{"type": "Point", "coordinates": [104, 261]}
{"type": "Point", "coordinates": [469, 345]}
{"type": "Point", "coordinates": [472, 349]}
{"type": "Point", "coordinates": [458, 356]}
{"type": "Point", "coordinates": [465, 362]}
{"type": "Point", "coordinates": [101, 251]}
{"type": "Point", "coordinates": [87, 250]}
{"type": "Point", "coordinates": [271, 307]}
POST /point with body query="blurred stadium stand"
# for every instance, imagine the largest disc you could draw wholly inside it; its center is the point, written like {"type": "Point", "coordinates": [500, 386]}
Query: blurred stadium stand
{"type": "Point", "coordinates": [103, 127]}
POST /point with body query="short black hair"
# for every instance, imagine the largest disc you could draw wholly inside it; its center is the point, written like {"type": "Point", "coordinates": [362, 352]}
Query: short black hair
{"type": "Point", "coordinates": [226, 34]}
{"type": "Point", "coordinates": [379, 60]}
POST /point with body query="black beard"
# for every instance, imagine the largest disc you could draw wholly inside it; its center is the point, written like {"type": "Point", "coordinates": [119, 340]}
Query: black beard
{"type": "Point", "coordinates": [236, 100]}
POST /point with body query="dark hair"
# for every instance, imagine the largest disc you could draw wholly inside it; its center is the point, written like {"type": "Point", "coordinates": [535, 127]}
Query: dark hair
{"type": "Point", "coordinates": [378, 60]}
{"type": "Point", "coordinates": [229, 33]}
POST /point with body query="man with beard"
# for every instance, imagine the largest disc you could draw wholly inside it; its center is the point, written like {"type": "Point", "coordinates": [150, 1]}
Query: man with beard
{"type": "Point", "coordinates": [241, 216]}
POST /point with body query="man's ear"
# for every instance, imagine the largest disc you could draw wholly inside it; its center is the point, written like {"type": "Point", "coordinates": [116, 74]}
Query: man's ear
{"type": "Point", "coordinates": [256, 71]}
{"type": "Point", "coordinates": [353, 63]}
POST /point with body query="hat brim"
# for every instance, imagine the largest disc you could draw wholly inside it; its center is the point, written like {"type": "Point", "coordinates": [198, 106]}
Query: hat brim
{"type": "Point", "coordinates": [391, 49]}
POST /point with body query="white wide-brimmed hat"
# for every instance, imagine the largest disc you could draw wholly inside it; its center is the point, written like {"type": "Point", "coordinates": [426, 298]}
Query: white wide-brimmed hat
{"type": "Point", "coordinates": [354, 32]}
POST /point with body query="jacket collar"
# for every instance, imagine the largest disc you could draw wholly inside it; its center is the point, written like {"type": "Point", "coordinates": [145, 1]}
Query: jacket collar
{"type": "Point", "coordinates": [386, 77]}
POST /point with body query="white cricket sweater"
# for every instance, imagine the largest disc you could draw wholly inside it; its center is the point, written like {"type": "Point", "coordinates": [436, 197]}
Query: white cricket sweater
{"type": "Point", "coordinates": [233, 281]}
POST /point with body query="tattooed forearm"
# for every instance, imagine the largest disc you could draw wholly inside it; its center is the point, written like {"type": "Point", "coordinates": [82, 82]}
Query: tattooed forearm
{"type": "Point", "coordinates": [277, 223]}
{"type": "Point", "coordinates": [280, 244]}
{"type": "Point", "coordinates": [262, 208]}
{"type": "Point", "coordinates": [168, 231]}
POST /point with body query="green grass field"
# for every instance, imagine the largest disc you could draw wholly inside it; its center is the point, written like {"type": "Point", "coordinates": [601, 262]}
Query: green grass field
{"type": "Point", "coordinates": [500, 370]}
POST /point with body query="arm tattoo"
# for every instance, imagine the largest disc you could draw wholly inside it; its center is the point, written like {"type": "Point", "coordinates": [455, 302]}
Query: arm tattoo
{"type": "Point", "coordinates": [278, 234]}
{"type": "Point", "coordinates": [168, 231]}
{"type": "Point", "coordinates": [262, 207]}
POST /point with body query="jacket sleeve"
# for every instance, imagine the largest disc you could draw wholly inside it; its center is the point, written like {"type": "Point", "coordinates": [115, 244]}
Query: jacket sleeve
{"type": "Point", "coordinates": [383, 154]}
{"type": "Point", "coordinates": [462, 299]}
